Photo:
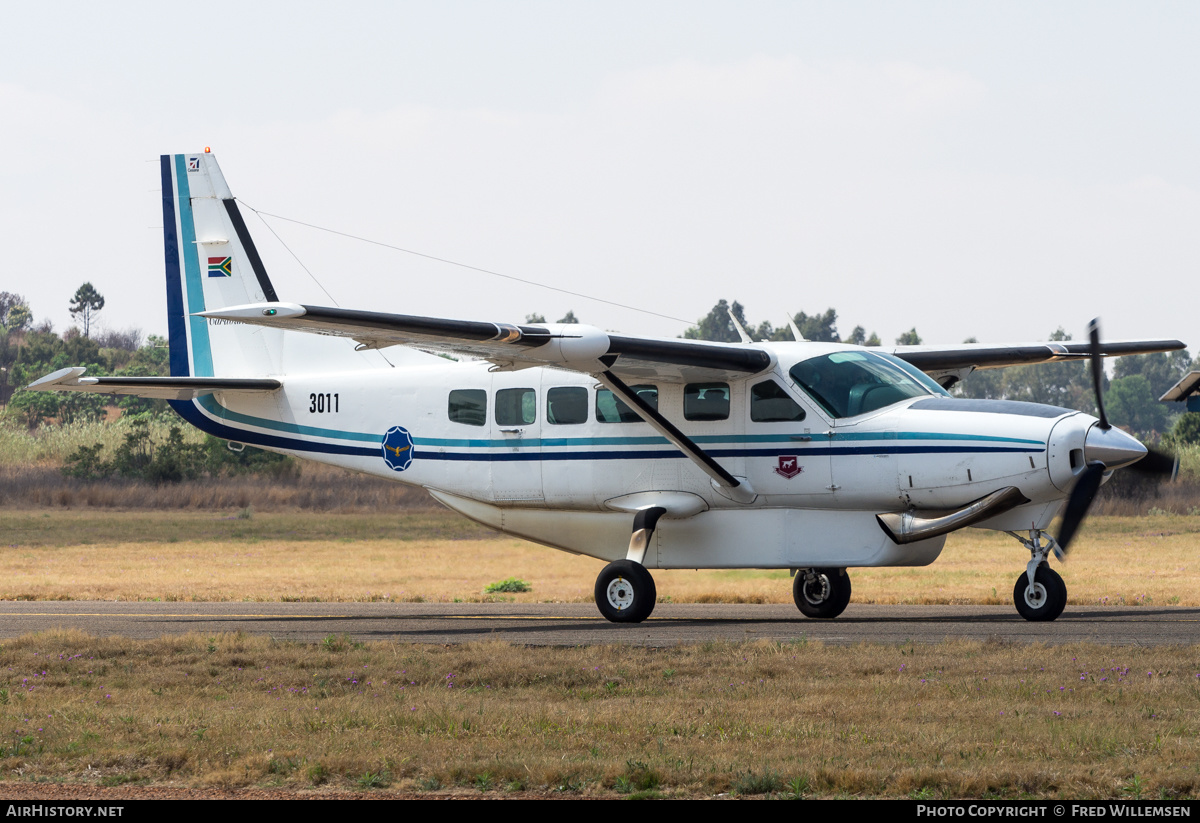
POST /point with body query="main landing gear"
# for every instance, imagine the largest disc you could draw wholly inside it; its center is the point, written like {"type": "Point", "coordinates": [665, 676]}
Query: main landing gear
{"type": "Point", "coordinates": [1040, 593]}
{"type": "Point", "coordinates": [625, 591]}
{"type": "Point", "coordinates": [821, 593]}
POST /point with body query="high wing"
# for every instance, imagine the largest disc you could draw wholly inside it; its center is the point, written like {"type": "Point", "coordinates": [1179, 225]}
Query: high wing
{"type": "Point", "coordinates": [570, 346]}
{"type": "Point", "coordinates": [949, 364]}
{"type": "Point", "coordinates": [588, 349]}
{"type": "Point", "coordinates": [163, 388]}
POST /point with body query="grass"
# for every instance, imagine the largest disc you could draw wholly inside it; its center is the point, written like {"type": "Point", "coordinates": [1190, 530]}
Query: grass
{"type": "Point", "coordinates": [429, 555]}
{"type": "Point", "coordinates": [954, 720]}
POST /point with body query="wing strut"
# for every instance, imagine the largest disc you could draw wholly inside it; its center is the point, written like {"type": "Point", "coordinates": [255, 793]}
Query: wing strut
{"type": "Point", "coordinates": [738, 490]}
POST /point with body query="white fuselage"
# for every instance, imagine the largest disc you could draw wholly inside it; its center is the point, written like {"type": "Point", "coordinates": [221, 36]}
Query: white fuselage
{"type": "Point", "coordinates": [818, 481]}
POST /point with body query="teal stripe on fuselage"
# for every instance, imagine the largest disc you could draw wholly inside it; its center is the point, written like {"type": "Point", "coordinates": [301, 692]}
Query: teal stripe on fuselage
{"type": "Point", "coordinates": [210, 404]}
{"type": "Point", "coordinates": [202, 365]}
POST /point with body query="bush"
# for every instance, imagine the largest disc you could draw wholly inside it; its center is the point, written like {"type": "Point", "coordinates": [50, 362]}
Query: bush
{"type": "Point", "coordinates": [510, 585]}
{"type": "Point", "coordinates": [140, 457]}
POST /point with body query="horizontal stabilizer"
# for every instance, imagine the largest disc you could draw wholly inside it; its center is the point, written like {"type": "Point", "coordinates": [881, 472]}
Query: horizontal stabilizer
{"type": "Point", "coordinates": [163, 388]}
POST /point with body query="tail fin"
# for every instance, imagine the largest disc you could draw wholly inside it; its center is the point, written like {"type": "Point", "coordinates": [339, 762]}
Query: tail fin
{"type": "Point", "coordinates": [211, 262]}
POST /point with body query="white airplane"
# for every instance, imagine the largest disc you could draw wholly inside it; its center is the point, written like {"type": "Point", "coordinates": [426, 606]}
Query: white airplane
{"type": "Point", "coordinates": [647, 453]}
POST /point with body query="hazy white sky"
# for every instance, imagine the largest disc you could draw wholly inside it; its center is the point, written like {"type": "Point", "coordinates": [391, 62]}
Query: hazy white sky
{"type": "Point", "coordinates": [986, 169]}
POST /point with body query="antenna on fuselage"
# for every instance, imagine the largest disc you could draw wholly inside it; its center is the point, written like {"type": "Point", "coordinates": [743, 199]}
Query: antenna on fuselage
{"type": "Point", "coordinates": [741, 332]}
{"type": "Point", "coordinates": [795, 329]}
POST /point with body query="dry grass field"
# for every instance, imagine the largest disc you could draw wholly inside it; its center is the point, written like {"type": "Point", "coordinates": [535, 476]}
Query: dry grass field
{"type": "Point", "coordinates": [951, 720]}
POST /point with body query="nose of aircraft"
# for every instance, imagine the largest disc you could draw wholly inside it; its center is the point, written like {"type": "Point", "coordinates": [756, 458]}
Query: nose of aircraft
{"type": "Point", "coordinates": [1112, 447]}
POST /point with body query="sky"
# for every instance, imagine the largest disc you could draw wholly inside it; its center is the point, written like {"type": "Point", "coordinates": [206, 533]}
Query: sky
{"type": "Point", "coordinates": [988, 170]}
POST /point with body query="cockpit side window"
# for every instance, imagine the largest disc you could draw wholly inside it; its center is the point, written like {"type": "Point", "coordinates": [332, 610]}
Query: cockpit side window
{"type": "Point", "coordinates": [850, 383]}
{"type": "Point", "coordinates": [770, 403]}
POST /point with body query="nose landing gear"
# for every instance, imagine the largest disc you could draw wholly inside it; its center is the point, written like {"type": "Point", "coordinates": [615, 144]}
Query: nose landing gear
{"type": "Point", "coordinates": [1040, 593]}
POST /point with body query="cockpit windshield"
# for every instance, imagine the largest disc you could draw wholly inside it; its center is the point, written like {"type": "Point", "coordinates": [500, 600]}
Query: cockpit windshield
{"type": "Point", "coordinates": [849, 383]}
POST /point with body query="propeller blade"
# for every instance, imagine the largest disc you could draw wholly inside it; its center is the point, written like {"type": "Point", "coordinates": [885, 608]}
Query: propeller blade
{"type": "Point", "coordinates": [1079, 502]}
{"type": "Point", "coordinates": [1157, 463]}
{"type": "Point", "coordinates": [1097, 370]}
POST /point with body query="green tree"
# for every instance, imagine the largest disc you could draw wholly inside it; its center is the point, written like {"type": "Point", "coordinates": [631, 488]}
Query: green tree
{"type": "Point", "coordinates": [909, 338]}
{"type": "Point", "coordinates": [858, 337]}
{"type": "Point", "coordinates": [820, 328]}
{"type": "Point", "coordinates": [19, 318]}
{"type": "Point", "coordinates": [1162, 369]}
{"type": "Point", "coordinates": [569, 317]}
{"type": "Point", "coordinates": [535, 318]}
{"type": "Point", "coordinates": [717, 326]}
{"type": "Point", "coordinates": [1186, 430]}
{"type": "Point", "coordinates": [1131, 402]}
{"type": "Point", "coordinates": [85, 305]}
{"type": "Point", "coordinates": [8, 302]}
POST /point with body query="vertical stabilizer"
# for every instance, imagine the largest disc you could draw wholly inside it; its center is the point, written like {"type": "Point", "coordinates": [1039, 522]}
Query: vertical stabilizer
{"type": "Point", "coordinates": [212, 263]}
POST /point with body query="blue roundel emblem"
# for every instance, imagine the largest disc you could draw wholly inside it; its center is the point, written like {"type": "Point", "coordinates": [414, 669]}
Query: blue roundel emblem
{"type": "Point", "coordinates": [397, 448]}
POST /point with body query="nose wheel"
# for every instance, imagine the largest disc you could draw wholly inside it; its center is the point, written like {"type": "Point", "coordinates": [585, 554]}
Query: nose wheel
{"type": "Point", "coordinates": [821, 593]}
{"type": "Point", "coordinates": [1040, 593]}
{"type": "Point", "coordinates": [1042, 600]}
{"type": "Point", "coordinates": [625, 592]}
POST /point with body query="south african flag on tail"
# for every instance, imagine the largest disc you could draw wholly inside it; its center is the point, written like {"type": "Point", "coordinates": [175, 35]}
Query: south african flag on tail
{"type": "Point", "coordinates": [220, 267]}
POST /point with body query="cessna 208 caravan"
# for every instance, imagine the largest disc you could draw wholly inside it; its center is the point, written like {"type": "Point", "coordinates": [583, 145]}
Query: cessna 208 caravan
{"type": "Point", "coordinates": [646, 453]}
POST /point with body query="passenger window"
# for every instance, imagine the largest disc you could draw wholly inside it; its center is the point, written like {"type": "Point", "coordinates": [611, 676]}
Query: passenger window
{"type": "Point", "coordinates": [566, 405]}
{"type": "Point", "coordinates": [610, 409]}
{"type": "Point", "coordinates": [770, 403]}
{"type": "Point", "coordinates": [706, 401]}
{"type": "Point", "coordinates": [516, 407]}
{"type": "Point", "coordinates": [468, 406]}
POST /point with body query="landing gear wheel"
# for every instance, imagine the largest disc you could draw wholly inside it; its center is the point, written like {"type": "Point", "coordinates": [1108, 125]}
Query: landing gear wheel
{"type": "Point", "coordinates": [625, 592]}
{"type": "Point", "coordinates": [1045, 599]}
{"type": "Point", "coordinates": [822, 593]}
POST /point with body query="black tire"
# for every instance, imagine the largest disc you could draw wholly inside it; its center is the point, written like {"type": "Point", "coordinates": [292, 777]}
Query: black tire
{"type": "Point", "coordinates": [1045, 600]}
{"type": "Point", "coordinates": [625, 592]}
{"type": "Point", "coordinates": [824, 596]}
{"type": "Point", "coordinates": [1061, 596]}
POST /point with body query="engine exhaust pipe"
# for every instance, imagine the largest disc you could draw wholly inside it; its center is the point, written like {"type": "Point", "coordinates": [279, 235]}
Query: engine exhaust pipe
{"type": "Point", "coordinates": [908, 527]}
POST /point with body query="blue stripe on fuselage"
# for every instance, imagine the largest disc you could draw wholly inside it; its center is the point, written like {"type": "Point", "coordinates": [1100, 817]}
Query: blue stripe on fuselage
{"type": "Point", "coordinates": [191, 411]}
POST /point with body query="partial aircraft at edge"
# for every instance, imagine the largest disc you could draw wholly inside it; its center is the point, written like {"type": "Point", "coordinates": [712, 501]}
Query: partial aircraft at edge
{"type": "Point", "coordinates": [647, 453]}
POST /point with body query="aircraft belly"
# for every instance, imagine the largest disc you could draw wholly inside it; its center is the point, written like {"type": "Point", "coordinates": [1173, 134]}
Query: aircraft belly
{"type": "Point", "coordinates": [784, 538]}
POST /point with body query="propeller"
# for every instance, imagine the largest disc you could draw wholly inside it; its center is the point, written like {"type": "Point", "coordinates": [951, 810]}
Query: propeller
{"type": "Point", "coordinates": [1108, 449]}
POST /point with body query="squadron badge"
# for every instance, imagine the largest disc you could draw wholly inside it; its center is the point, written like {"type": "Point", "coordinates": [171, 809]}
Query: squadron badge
{"type": "Point", "coordinates": [398, 448]}
{"type": "Point", "coordinates": [789, 466]}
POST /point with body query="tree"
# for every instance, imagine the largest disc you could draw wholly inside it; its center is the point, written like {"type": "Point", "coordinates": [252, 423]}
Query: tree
{"type": "Point", "coordinates": [1162, 369]}
{"type": "Point", "coordinates": [9, 302]}
{"type": "Point", "coordinates": [909, 338]}
{"type": "Point", "coordinates": [1131, 402]}
{"type": "Point", "coordinates": [85, 304]}
{"type": "Point", "coordinates": [858, 337]}
{"type": "Point", "coordinates": [820, 328]}
{"type": "Point", "coordinates": [569, 318]}
{"type": "Point", "coordinates": [19, 318]}
{"type": "Point", "coordinates": [535, 318]}
{"type": "Point", "coordinates": [1187, 429]}
{"type": "Point", "coordinates": [717, 326]}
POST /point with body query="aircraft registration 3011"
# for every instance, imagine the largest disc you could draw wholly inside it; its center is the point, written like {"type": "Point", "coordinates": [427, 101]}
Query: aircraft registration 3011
{"type": "Point", "coordinates": [647, 453]}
